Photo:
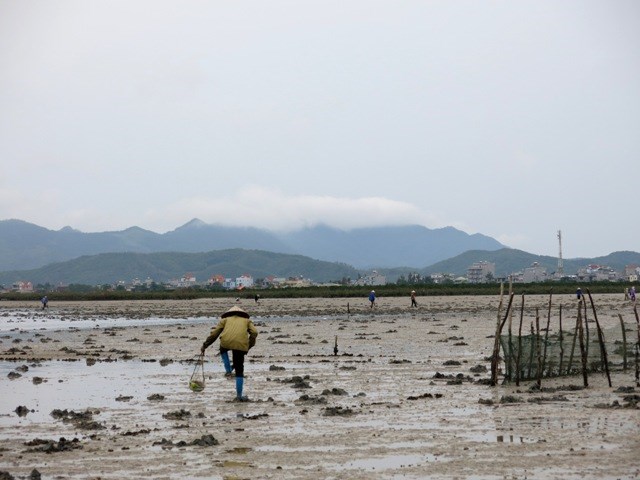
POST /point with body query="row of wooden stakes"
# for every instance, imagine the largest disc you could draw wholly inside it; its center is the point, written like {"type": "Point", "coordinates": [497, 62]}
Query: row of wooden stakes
{"type": "Point", "coordinates": [581, 332]}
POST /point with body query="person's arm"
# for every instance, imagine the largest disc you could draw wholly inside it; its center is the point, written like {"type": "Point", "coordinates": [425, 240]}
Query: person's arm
{"type": "Point", "coordinates": [253, 334]}
{"type": "Point", "coordinates": [213, 336]}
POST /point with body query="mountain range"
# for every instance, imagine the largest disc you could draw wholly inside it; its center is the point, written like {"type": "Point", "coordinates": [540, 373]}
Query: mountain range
{"type": "Point", "coordinates": [161, 267]}
{"type": "Point", "coordinates": [30, 252]}
{"type": "Point", "coordinates": [26, 246]}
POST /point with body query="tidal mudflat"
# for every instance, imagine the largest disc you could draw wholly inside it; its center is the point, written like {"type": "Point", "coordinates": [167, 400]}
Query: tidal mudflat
{"type": "Point", "coordinates": [100, 390]}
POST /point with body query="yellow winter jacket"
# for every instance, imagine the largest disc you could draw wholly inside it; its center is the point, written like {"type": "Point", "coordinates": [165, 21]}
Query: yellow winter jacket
{"type": "Point", "coordinates": [236, 332]}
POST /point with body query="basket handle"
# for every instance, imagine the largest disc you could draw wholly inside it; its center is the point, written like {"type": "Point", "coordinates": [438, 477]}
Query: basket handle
{"type": "Point", "coordinates": [199, 363]}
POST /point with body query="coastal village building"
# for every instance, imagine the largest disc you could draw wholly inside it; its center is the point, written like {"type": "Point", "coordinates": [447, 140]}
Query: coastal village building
{"type": "Point", "coordinates": [22, 287]}
{"type": "Point", "coordinates": [534, 273]}
{"type": "Point", "coordinates": [136, 282]}
{"type": "Point", "coordinates": [272, 281]}
{"type": "Point", "coordinates": [481, 272]}
{"type": "Point", "coordinates": [186, 281]}
{"type": "Point", "coordinates": [374, 278]}
{"type": "Point", "coordinates": [275, 282]}
{"type": "Point", "coordinates": [297, 282]}
{"type": "Point", "coordinates": [443, 277]}
{"type": "Point", "coordinates": [631, 273]}
{"type": "Point", "coordinates": [290, 282]}
{"type": "Point", "coordinates": [244, 281]}
{"type": "Point", "coordinates": [597, 273]}
{"type": "Point", "coordinates": [216, 280]}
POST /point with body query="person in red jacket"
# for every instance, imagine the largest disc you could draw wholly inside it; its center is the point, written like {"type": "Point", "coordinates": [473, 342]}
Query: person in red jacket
{"type": "Point", "coordinates": [238, 334]}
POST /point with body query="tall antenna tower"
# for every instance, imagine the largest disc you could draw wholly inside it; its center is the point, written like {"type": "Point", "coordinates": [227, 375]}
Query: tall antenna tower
{"type": "Point", "coordinates": [560, 271]}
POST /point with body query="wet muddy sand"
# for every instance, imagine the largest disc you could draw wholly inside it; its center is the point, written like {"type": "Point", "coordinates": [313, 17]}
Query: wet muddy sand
{"type": "Point", "coordinates": [100, 391]}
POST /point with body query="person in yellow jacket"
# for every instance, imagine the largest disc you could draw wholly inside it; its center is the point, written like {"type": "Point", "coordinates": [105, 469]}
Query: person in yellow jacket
{"type": "Point", "coordinates": [238, 334]}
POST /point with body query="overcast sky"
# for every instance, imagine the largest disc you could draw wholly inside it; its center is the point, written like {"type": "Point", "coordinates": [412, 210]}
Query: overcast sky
{"type": "Point", "coordinates": [513, 119]}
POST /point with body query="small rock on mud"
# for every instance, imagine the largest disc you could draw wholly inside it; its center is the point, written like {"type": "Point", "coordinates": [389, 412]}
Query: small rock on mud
{"type": "Point", "coordinates": [177, 414]}
{"type": "Point", "coordinates": [334, 391]}
{"type": "Point", "coordinates": [337, 411]}
{"type": "Point", "coordinates": [51, 446]}
{"type": "Point", "coordinates": [22, 411]}
{"type": "Point", "coordinates": [510, 399]}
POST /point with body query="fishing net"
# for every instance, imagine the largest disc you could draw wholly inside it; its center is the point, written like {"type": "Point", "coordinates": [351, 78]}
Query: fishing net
{"type": "Point", "coordinates": [555, 354]}
{"type": "Point", "coordinates": [196, 382]}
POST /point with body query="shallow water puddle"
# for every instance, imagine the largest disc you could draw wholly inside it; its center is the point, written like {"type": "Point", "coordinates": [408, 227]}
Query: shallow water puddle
{"type": "Point", "coordinates": [282, 448]}
{"type": "Point", "coordinates": [240, 450]}
{"type": "Point", "coordinates": [386, 463]}
{"type": "Point", "coordinates": [74, 385]}
{"type": "Point", "coordinates": [491, 437]}
{"type": "Point", "coordinates": [235, 464]}
{"type": "Point", "coordinates": [11, 323]}
{"type": "Point", "coordinates": [29, 320]}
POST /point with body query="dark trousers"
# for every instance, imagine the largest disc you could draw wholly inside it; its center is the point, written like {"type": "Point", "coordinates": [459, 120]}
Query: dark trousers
{"type": "Point", "coordinates": [238, 360]}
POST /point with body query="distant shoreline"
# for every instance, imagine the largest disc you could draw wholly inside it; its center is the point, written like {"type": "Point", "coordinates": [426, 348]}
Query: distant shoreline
{"type": "Point", "coordinates": [390, 290]}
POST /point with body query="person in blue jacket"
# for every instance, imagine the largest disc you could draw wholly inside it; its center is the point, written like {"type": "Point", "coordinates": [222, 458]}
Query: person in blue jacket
{"type": "Point", "coordinates": [372, 298]}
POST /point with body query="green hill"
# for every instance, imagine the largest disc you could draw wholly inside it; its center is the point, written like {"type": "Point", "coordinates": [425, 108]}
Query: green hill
{"type": "Point", "coordinates": [161, 267]}
{"type": "Point", "coordinates": [509, 260]}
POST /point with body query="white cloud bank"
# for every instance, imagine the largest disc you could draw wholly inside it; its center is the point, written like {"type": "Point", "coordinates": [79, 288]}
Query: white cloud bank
{"type": "Point", "coordinates": [273, 210]}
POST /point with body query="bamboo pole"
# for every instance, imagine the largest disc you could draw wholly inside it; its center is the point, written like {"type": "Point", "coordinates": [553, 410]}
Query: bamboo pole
{"type": "Point", "coordinates": [496, 351]}
{"type": "Point", "coordinates": [573, 345]}
{"type": "Point", "coordinates": [538, 352]}
{"type": "Point", "coordinates": [583, 351]}
{"type": "Point", "coordinates": [603, 347]}
{"type": "Point", "coordinates": [509, 329]}
{"type": "Point", "coordinates": [519, 344]}
{"type": "Point", "coordinates": [637, 364]}
{"type": "Point", "coordinates": [546, 334]}
{"type": "Point", "coordinates": [624, 343]}
{"type": "Point", "coordinates": [531, 350]}
{"type": "Point", "coordinates": [635, 311]}
{"type": "Point", "coordinates": [560, 339]}
{"type": "Point", "coordinates": [496, 339]}
{"type": "Point", "coordinates": [586, 326]}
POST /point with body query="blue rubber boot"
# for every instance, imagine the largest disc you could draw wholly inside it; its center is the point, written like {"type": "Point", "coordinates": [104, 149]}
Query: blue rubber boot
{"type": "Point", "coordinates": [239, 384]}
{"type": "Point", "coordinates": [227, 363]}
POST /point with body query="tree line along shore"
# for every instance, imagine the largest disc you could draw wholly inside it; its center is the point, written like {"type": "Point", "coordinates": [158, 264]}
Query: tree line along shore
{"type": "Point", "coordinates": [96, 294]}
